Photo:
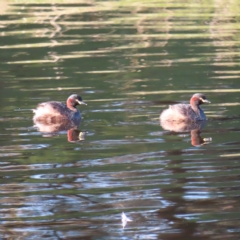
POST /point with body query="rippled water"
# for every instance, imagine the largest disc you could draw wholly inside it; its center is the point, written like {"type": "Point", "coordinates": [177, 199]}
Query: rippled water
{"type": "Point", "coordinates": [129, 60]}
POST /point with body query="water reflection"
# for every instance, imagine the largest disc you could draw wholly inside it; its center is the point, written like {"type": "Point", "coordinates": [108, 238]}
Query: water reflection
{"type": "Point", "coordinates": [193, 127]}
{"type": "Point", "coordinates": [49, 130]}
{"type": "Point", "coordinates": [119, 53]}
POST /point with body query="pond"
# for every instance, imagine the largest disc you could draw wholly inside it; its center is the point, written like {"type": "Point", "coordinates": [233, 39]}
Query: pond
{"type": "Point", "coordinates": [128, 60]}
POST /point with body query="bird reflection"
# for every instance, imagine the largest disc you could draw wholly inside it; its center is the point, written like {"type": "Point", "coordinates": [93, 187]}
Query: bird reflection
{"type": "Point", "coordinates": [193, 127]}
{"type": "Point", "coordinates": [50, 130]}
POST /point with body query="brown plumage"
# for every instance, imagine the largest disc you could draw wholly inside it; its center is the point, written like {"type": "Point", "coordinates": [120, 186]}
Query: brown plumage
{"type": "Point", "coordinates": [56, 112]}
{"type": "Point", "coordinates": [186, 112]}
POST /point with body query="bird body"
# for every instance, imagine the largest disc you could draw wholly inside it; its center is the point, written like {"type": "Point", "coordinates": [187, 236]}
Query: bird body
{"type": "Point", "coordinates": [186, 112]}
{"type": "Point", "coordinates": [55, 112]}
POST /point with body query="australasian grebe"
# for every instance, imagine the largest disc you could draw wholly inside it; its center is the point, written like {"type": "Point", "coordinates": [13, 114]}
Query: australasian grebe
{"type": "Point", "coordinates": [186, 112]}
{"type": "Point", "coordinates": [55, 112]}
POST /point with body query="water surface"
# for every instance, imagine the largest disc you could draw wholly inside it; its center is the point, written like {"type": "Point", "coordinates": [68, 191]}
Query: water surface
{"type": "Point", "coordinates": [129, 60]}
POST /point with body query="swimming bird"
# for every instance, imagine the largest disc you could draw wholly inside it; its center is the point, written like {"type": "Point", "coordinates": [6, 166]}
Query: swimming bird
{"type": "Point", "coordinates": [186, 112]}
{"type": "Point", "coordinates": [56, 112]}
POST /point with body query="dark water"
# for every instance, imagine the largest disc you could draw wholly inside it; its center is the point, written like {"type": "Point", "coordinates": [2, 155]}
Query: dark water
{"type": "Point", "coordinates": [129, 61]}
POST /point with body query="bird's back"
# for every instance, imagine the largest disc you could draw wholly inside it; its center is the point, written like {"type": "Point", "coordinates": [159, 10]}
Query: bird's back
{"type": "Point", "coordinates": [179, 112]}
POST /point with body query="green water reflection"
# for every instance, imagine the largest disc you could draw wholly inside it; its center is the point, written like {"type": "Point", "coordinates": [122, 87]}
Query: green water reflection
{"type": "Point", "coordinates": [129, 60]}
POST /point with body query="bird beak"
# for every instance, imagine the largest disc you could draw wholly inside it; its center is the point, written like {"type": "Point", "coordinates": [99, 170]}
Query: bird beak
{"type": "Point", "coordinates": [80, 102]}
{"type": "Point", "coordinates": [205, 100]}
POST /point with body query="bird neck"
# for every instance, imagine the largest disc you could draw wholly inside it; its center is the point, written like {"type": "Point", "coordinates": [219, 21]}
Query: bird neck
{"type": "Point", "coordinates": [194, 102]}
{"type": "Point", "coordinates": [71, 104]}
